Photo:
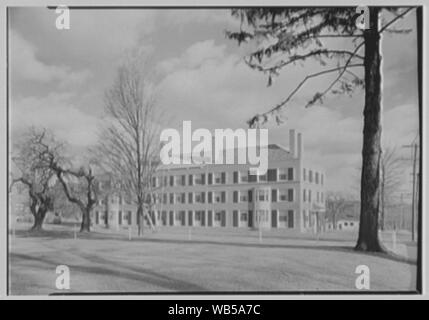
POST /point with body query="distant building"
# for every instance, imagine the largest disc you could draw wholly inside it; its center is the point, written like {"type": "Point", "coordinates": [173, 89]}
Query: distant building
{"type": "Point", "coordinates": [291, 195]}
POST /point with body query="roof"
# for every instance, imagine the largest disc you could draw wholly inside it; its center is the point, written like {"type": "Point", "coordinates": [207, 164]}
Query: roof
{"type": "Point", "coordinates": [275, 153]}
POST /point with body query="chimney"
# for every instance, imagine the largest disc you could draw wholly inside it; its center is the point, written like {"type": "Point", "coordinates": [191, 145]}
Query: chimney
{"type": "Point", "coordinates": [292, 142]}
{"type": "Point", "coordinates": [300, 148]}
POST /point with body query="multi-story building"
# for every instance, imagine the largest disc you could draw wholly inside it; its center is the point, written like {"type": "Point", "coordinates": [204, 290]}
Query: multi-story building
{"type": "Point", "coordinates": [290, 195]}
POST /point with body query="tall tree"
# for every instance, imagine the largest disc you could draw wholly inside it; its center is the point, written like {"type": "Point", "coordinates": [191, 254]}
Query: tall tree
{"type": "Point", "coordinates": [288, 36]}
{"type": "Point", "coordinates": [129, 142]}
{"type": "Point", "coordinates": [30, 159]}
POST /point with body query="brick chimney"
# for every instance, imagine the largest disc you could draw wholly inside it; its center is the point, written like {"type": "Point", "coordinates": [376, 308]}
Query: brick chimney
{"type": "Point", "coordinates": [292, 142]}
{"type": "Point", "coordinates": [300, 147]}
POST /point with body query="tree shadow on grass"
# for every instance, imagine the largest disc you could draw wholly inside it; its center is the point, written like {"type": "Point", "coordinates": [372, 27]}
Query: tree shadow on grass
{"type": "Point", "coordinates": [64, 234]}
{"type": "Point", "coordinates": [110, 268]}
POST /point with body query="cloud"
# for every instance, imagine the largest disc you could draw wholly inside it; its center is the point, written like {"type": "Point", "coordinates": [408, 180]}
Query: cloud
{"type": "Point", "coordinates": [57, 113]}
{"type": "Point", "coordinates": [216, 89]}
{"type": "Point", "coordinates": [26, 66]}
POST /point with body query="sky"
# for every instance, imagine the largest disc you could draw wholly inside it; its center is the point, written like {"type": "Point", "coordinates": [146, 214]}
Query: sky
{"type": "Point", "coordinates": [58, 79]}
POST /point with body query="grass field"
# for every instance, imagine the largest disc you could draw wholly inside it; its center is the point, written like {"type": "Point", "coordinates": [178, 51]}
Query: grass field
{"type": "Point", "coordinates": [198, 260]}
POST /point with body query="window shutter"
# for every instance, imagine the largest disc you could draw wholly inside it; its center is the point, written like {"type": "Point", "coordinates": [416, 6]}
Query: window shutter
{"type": "Point", "coordinates": [191, 180]}
{"type": "Point", "coordinates": [223, 195]}
{"type": "Point", "coordinates": [235, 197]}
{"type": "Point", "coordinates": [235, 176]}
{"type": "Point", "coordinates": [290, 194]}
{"type": "Point", "coordinates": [290, 174]}
{"type": "Point", "coordinates": [223, 177]}
{"type": "Point", "coordinates": [210, 178]}
{"type": "Point", "coordinates": [190, 200]}
{"type": "Point", "coordinates": [210, 197]}
{"type": "Point", "coordinates": [274, 195]}
{"type": "Point", "coordinates": [203, 178]}
{"type": "Point", "coordinates": [272, 175]}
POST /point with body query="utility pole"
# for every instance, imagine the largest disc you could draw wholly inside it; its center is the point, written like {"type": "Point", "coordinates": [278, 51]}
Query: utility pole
{"type": "Point", "coordinates": [414, 193]}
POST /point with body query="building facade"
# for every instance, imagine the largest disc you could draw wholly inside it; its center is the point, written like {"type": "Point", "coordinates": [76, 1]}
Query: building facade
{"type": "Point", "coordinates": [289, 196]}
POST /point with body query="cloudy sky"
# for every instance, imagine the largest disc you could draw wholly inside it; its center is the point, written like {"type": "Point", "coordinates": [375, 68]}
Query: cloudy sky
{"type": "Point", "coordinates": [58, 78]}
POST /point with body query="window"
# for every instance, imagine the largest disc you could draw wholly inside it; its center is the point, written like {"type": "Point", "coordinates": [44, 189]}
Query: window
{"type": "Point", "coordinates": [263, 178]}
{"type": "Point", "coordinates": [304, 195]}
{"type": "Point", "coordinates": [198, 215]}
{"type": "Point", "coordinates": [219, 197]}
{"type": "Point", "coordinates": [282, 174]}
{"type": "Point", "coordinates": [220, 178]}
{"type": "Point", "coordinates": [286, 195]}
{"type": "Point", "coordinates": [243, 176]}
{"type": "Point", "coordinates": [283, 215]}
{"type": "Point", "coordinates": [191, 180]}
{"type": "Point", "coordinates": [272, 174]}
{"type": "Point", "coordinates": [171, 198]}
{"type": "Point", "coordinates": [243, 196]}
{"type": "Point", "coordinates": [262, 195]}
{"type": "Point", "coordinates": [252, 177]}
{"type": "Point", "coordinates": [181, 197]}
{"type": "Point", "coordinates": [218, 216]}
{"type": "Point", "coordinates": [321, 179]}
{"type": "Point", "coordinates": [200, 179]}
{"type": "Point", "coordinates": [164, 198]}
{"type": "Point", "coordinates": [304, 174]}
{"type": "Point", "coordinates": [190, 197]}
{"type": "Point", "coordinates": [317, 177]}
{"type": "Point", "coordinates": [351, 224]}
{"type": "Point", "coordinates": [243, 216]}
{"type": "Point", "coordinates": [310, 176]}
{"type": "Point", "coordinates": [200, 197]}
{"type": "Point", "coordinates": [154, 182]}
{"type": "Point", "coordinates": [171, 181]}
{"type": "Point", "coordinates": [262, 215]}
{"type": "Point", "coordinates": [309, 195]}
{"type": "Point", "coordinates": [345, 224]}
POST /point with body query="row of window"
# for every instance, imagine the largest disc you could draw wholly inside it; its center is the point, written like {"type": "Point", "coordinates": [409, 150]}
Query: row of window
{"type": "Point", "coordinates": [312, 176]}
{"type": "Point", "coordinates": [201, 217]}
{"type": "Point", "coordinates": [276, 195]}
{"type": "Point", "coordinates": [272, 175]}
{"type": "Point", "coordinates": [307, 196]}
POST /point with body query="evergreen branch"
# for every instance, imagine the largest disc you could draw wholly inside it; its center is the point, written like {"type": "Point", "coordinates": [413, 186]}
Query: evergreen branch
{"type": "Point", "coordinates": [396, 19]}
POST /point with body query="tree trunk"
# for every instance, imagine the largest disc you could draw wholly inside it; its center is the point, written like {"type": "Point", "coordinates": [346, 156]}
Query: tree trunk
{"type": "Point", "coordinates": [140, 220]}
{"type": "Point", "coordinates": [371, 152]}
{"type": "Point", "coordinates": [86, 220]}
{"type": "Point", "coordinates": [39, 218]}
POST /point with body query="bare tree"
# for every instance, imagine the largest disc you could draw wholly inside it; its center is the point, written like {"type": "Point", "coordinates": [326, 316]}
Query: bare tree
{"type": "Point", "coordinates": [390, 179]}
{"type": "Point", "coordinates": [80, 188]}
{"type": "Point", "coordinates": [287, 36]}
{"type": "Point", "coordinates": [34, 173]}
{"type": "Point", "coordinates": [129, 142]}
{"type": "Point", "coordinates": [335, 203]}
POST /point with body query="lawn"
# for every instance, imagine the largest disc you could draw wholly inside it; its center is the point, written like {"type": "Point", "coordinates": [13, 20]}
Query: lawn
{"type": "Point", "coordinates": [198, 260]}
